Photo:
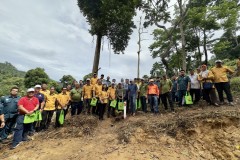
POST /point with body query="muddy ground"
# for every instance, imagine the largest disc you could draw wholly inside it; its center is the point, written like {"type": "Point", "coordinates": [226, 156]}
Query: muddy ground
{"type": "Point", "coordinates": [190, 133]}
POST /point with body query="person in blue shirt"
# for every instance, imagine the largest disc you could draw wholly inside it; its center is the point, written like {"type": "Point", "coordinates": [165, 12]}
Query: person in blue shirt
{"type": "Point", "coordinates": [132, 94]}
{"type": "Point", "coordinates": [183, 86]}
{"type": "Point", "coordinates": [10, 111]}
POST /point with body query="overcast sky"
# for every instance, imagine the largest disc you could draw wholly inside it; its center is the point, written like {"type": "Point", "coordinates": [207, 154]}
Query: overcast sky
{"type": "Point", "coordinates": [53, 34]}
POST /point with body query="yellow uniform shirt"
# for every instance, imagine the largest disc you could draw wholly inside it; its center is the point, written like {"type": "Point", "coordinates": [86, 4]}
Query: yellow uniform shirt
{"type": "Point", "coordinates": [50, 102]}
{"type": "Point", "coordinates": [63, 99]}
{"type": "Point", "coordinates": [103, 95]}
{"type": "Point", "coordinates": [94, 81]}
{"type": "Point", "coordinates": [238, 63]}
{"type": "Point", "coordinates": [87, 91]}
{"type": "Point", "coordinates": [112, 93]}
{"type": "Point", "coordinates": [45, 93]}
{"type": "Point", "coordinates": [98, 89]}
{"type": "Point", "coordinates": [220, 74]}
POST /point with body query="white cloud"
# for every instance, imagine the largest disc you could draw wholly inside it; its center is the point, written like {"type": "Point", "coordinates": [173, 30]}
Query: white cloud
{"type": "Point", "coordinates": [54, 35]}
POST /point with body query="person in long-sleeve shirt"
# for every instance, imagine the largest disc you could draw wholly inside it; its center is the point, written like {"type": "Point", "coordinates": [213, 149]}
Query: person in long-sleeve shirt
{"type": "Point", "coordinates": [153, 95]}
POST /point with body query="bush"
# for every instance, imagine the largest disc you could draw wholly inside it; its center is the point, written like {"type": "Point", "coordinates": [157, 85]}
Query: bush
{"type": "Point", "coordinates": [235, 85]}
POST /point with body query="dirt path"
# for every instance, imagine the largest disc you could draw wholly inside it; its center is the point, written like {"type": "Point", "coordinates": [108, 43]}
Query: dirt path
{"type": "Point", "coordinates": [211, 133]}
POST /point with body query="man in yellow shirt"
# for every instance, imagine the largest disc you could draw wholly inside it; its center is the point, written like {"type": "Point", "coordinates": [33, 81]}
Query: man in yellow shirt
{"type": "Point", "coordinates": [44, 90]}
{"type": "Point", "coordinates": [88, 93]}
{"type": "Point", "coordinates": [49, 108]}
{"type": "Point", "coordinates": [63, 99]}
{"type": "Point", "coordinates": [98, 90]}
{"type": "Point", "coordinates": [222, 82]}
{"type": "Point", "coordinates": [94, 79]}
{"type": "Point", "coordinates": [238, 66]}
{"type": "Point", "coordinates": [112, 97]}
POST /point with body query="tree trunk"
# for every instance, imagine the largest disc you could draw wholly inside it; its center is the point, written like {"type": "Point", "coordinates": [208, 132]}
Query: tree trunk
{"type": "Point", "coordinates": [138, 71]}
{"type": "Point", "coordinates": [184, 64]}
{"type": "Point", "coordinates": [97, 54]}
{"type": "Point", "coordinates": [205, 46]}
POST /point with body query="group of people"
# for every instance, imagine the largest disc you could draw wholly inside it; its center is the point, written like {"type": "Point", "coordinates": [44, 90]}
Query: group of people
{"type": "Point", "coordinates": [97, 95]}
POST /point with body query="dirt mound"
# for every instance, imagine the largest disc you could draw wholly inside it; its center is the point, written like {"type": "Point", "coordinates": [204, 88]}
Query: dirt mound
{"type": "Point", "coordinates": [196, 133]}
{"type": "Point", "coordinates": [75, 127]}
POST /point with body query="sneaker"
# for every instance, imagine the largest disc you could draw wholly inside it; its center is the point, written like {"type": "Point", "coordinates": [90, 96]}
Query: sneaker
{"type": "Point", "coordinates": [216, 105]}
{"type": "Point", "coordinates": [231, 104]}
{"type": "Point", "coordinates": [15, 146]}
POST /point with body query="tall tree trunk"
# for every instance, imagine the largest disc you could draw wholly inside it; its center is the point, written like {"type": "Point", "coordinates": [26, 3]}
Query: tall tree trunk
{"type": "Point", "coordinates": [97, 54]}
{"type": "Point", "coordinates": [184, 64]}
{"type": "Point", "coordinates": [138, 71]}
{"type": "Point", "coordinates": [205, 46]}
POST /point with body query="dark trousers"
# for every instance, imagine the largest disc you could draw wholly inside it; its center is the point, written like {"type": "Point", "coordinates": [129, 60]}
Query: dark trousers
{"type": "Point", "coordinates": [143, 100]}
{"type": "Point", "coordinates": [46, 119]}
{"type": "Point", "coordinates": [196, 93]}
{"type": "Point", "coordinates": [87, 105]}
{"type": "Point", "coordinates": [174, 97]}
{"type": "Point", "coordinates": [167, 98]}
{"type": "Point", "coordinates": [8, 128]}
{"type": "Point", "coordinates": [128, 103]}
{"type": "Point", "coordinates": [210, 95]}
{"type": "Point", "coordinates": [224, 86]}
{"type": "Point", "coordinates": [58, 111]}
{"type": "Point", "coordinates": [76, 106]}
{"type": "Point", "coordinates": [21, 130]}
{"type": "Point", "coordinates": [66, 111]}
{"type": "Point", "coordinates": [181, 94]}
{"type": "Point", "coordinates": [111, 110]}
{"type": "Point", "coordinates": [95, 108]}
{"type": "Point", "coordinates": [101, 109]}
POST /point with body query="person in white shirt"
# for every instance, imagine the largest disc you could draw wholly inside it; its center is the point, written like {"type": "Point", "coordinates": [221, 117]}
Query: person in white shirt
{"type": "Point", "coordinates": [195, 90]}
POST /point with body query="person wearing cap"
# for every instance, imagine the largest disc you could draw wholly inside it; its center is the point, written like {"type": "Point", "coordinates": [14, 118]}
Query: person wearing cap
{"type": "Point", "coordinates": [143, 95]}
{"type": "Point", "coordinates": [132, 96]}
{"type": "Point", "coordinates": [41, 99]}
{"type": "Point", "coordinates": [221, 81]}
{"type": "Point", "coordinates": [76, 100]}
{"type": "Point", "coordinates": [10, 112]}
{"type": "Point", "coordinates": [49, 108]}
{"type": "Point", "coordinates": [88, 92]}
{"type": "Point", "coordinates": [98, 89]}
{"type": "Point", "coordinates": [183, 86]}
{"type": "Point", "coordinates": [103, 98]}
{"type": "Point", "coordinates": [94, 79]}
{"type": "Point", "coordinates": [27, 105]}
{"type": "Point", "coordinates": [166, 97]}
{"type": "Point", "coordinates": [63, 100]}
{"type": "Point", "coordinates": [206, 78]}
{"type": "Point", "coordinates": [153, 95]}
{"type": "Point", "coordinates": [44, 90]}
{"type": "Point", "coordinates": [195, 87]}
{"type": "Point", "coordinates": [112, 96]}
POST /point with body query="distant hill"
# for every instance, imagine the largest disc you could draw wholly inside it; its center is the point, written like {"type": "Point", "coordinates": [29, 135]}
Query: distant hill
{"type": "Point", "coordinates": [10, 76]}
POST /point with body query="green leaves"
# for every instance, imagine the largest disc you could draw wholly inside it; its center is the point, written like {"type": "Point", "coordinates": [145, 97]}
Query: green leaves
{"type": "Point", "coordinates": [111, 18]}
{"type": "Point", "coordinates": [35, 76]}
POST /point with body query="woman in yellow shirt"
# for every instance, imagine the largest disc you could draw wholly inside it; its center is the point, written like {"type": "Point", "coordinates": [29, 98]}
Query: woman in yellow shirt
{"type": "Point", "coordinates": [103, 97]}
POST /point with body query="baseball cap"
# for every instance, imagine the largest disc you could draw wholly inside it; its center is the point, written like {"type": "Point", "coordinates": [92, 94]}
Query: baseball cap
{"type": "Point", "coordinates": [151, 80]}
{"type": "Point", "coordinates": [30, 90]}
{"type": "Point", "coordinates": [88, 79]}
{"type": "Point", "coordinates": [218, 61]}
{"type": "Point", "coordinates": [38, 86]}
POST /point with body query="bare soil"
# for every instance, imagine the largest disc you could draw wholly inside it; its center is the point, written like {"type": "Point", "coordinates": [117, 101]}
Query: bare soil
{"type": "Point", "coordinates": [190, 133]}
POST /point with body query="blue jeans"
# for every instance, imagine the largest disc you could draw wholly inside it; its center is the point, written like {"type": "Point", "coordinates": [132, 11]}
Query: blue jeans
{"type": "Point", "coordinates": [153, 101]}
{"type": "Point", "coordinates": [8, 128]}
{"type": "Point", "coordinates": [132, 101]}
{"type": "Point", "coordinates": [21, 130]}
